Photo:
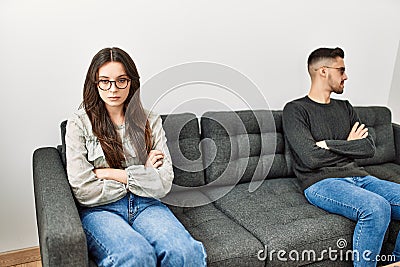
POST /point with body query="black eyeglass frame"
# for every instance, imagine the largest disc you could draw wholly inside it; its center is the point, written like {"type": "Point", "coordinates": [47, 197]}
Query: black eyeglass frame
{"type": "Point", "coordinates": [110, 84]}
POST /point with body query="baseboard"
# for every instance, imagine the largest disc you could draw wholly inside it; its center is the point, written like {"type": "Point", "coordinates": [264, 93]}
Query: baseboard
{"type": "Point", "coordinates": [20, 256]}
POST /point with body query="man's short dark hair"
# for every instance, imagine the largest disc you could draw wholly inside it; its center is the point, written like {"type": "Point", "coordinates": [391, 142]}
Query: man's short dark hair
{"type": "Point", "coordinates": [324, 53]}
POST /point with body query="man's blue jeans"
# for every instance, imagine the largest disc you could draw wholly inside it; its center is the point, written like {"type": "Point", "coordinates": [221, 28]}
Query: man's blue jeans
{"type": "Point", "coordinates": [139, 231]}
{"type": "Point", "coordinates": [369, 201]}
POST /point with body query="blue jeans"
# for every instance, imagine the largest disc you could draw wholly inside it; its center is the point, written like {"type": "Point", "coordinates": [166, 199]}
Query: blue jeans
{"type": "Point", "coordinates": [369, 201]}
{"type": "Point", "coordinates": [139, 231]}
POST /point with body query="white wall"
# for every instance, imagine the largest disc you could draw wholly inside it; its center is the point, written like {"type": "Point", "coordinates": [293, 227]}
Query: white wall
{"type": "Point", "coordinates": [394, 94]}
{"type": "Point", "coordinates": [46, 47]}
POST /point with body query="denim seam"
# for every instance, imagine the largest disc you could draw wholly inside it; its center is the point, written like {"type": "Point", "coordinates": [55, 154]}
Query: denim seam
{"type": "Point", "coordinates": [361, 226]}
{"type": "Point", "coordinates": [101, 246]}
{"type": "Point", "coordinates": [132, 209]}
{"type": "Point", "coordinates": [204, 253]}
{"type": "Point", "coordinates": [333, 200]}
{"type": "Point", "coordinates": [137, 211]}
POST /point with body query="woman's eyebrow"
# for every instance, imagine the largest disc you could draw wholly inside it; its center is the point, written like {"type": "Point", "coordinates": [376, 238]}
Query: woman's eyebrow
{"type": "Point", "coordinates": [119, 76]}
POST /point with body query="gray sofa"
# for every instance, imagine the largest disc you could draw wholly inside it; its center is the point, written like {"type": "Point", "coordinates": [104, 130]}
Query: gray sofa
{"type": "Point", "coordinates": [226, 155]}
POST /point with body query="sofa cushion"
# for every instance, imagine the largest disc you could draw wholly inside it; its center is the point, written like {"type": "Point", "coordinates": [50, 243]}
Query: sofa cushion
{"type": "Point", "coordinates": [387, 171]}
{"type": "Point", "coordinates": [278, 215]}
{"type": "Point", "coordinates": [226, 242]}
{"type": "Point", "coordinates": [379, 123]}
{"type": "Point", "coordinates": [183, 140]}
{"type": "Point", "coordinates": [239, 146]}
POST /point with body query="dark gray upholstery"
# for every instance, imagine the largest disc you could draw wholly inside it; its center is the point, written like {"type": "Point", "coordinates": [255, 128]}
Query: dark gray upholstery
{"type": "Point", "coordinates": [396, 133]}
{"type": "Point", "coordinates": [183, 139]}
{"type": "Point", "coordinates": [226, 242]}
{"type": "Point", "coordinates": [62, 240]}
{"type": "Point", "coordinates": [387, 171]}
{"type": "Point", "coordinates": [282, 219]}
{"type": "Point", "coordinates": [236, 148]}
{"type": "Point", "coordinates": [379, 123]}
{"type": "Point", "coordinates": [250, 142]}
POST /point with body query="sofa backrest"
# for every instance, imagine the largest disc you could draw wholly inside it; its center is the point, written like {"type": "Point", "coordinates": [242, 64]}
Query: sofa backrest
{"type": "Point", "coordinates": [379, 123]}
{"type": "Point", "coordinates": [62, 148]}
{"type": "Point", "coordinates": [183, 140]}
{"type": "Point", "coordinates": [239, 146]}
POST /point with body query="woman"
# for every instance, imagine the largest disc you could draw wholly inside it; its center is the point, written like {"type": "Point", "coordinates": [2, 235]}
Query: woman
{"type": "Point", "coordinates": [119, 166]}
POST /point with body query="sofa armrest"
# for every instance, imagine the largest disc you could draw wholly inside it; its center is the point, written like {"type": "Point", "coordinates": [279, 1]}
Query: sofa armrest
{"type": "Point", "coordinates": [61, 236]}
{"type": "Point", "coordinates": [396, 131]}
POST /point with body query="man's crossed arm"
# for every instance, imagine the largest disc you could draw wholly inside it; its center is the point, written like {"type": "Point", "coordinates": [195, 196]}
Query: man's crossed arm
{"type": "Point", "coordinates": [357, 132]}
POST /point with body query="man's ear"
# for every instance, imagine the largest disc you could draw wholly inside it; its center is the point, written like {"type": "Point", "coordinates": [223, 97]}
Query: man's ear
{"type": "Point", "coordinates": [322, 72]}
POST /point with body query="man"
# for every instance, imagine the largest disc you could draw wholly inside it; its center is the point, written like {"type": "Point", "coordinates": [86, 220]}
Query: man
{"type": "Point", "coordinates": [325, 135]}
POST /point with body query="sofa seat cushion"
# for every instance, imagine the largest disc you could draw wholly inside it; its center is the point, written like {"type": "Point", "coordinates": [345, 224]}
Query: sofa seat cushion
{"type": "Point", "coordinates": [226, 242]}
{"type": "Point", "coordinates": [386, 171]}
{"type": "Point", "coordinates": [279, 215]}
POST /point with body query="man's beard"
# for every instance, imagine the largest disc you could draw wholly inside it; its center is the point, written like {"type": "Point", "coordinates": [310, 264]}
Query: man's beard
{"type": "Point", "coordinates": [338, 91]}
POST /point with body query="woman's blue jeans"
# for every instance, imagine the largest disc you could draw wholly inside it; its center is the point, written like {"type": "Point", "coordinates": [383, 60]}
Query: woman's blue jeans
{"type": "Point", "coordinates": [139, 231]}
{"type": "Point", "coordinates": [369, 201]}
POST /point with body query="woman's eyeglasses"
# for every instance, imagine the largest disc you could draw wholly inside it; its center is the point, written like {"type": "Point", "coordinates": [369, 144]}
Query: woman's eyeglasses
{"type": "Point", "coordinates": [105, 85]}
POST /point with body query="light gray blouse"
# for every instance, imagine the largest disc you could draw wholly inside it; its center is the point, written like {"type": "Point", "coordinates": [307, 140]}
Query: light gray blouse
{"type": "Point", "coordinates": [84, 154]}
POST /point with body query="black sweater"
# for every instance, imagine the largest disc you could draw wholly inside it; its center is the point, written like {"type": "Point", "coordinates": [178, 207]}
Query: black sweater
{"type": "Point", "coordinates": [306, 122]}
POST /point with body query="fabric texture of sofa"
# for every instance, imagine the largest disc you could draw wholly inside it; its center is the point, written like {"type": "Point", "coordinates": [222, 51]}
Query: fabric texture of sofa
{"type": "Point", "coordinates": [235, 190]}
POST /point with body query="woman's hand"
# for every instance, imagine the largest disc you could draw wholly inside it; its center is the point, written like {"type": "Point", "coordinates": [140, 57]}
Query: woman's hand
{"type": "Point", "coordinates": [154, 159]}
{"type": "Point", "coordinates": [112, 174]}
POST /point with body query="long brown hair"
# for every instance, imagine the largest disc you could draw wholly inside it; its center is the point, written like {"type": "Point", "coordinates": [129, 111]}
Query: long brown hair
{"type": "Point", "coordinates": [137, 125]}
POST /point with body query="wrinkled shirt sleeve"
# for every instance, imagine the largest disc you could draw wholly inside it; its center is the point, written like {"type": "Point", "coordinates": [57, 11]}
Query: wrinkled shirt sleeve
{"type": "Point", "coordinates": [149, 181]}
{"type": "Point", "coordinates": [82, 151]}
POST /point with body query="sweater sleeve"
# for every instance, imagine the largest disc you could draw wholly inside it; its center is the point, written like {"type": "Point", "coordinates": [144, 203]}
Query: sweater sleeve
{"type": "Point", "coordinates": [148, 181]}
{"type": "Point", "coordinates": [301, 141]}
{"type": "Point", "coordinates": [355, 149]}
